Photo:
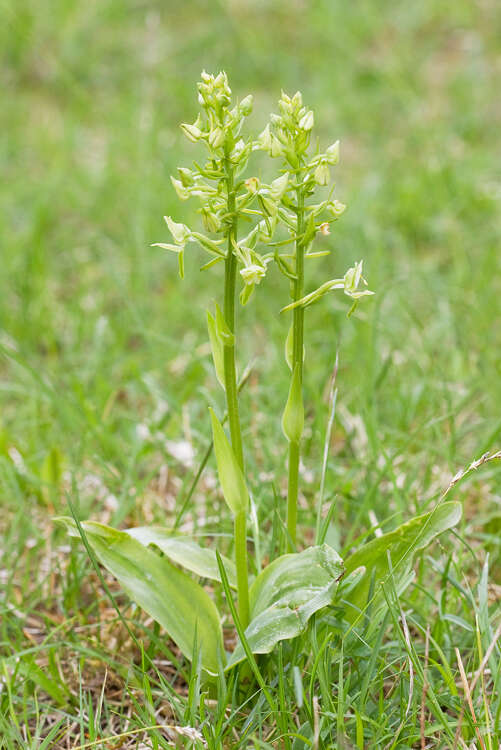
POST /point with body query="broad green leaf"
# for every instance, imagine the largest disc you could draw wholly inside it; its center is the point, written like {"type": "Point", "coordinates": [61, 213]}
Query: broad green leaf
{"type": "Point", "coordinates": [286, 594]}
{"type": "Point", "coordinates": [230, 474]}
{"type": "Point", "coordinates": [401, 544]}
{"type": "Point", "coordinates": [177, 602]}
{"type": "Point", "coordinates": [293, 416]}
{"type": "Point", "coordinates": [185, 551]}
{"type": "Point", "coordinates": [217, 349]}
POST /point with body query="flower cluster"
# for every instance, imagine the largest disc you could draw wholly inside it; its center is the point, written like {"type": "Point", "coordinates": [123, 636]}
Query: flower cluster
{"type": "Point", "coordinates": [226, 196]}
{"type": "Point", "coordinates": [229, 200]}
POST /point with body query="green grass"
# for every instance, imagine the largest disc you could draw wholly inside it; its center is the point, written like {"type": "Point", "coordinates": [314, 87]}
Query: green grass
{"type": "Point", "coordinates": [99, 338]}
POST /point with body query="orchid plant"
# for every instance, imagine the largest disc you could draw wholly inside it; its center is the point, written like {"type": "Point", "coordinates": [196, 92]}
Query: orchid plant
{"type": "Point", "coordinates": [242, 217]}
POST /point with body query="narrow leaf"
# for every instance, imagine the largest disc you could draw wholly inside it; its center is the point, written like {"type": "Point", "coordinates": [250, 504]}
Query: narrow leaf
{"type": "Point", "coordinates": [224, 333]}
{"type": "Point", "coordinates": [230, 474]}
{"type": "Point", "coordinates": [217, 349]}
{"type": "Point", "coordinates": [293, 416]}
{"type": "Point", "coordinates": [289, 348]}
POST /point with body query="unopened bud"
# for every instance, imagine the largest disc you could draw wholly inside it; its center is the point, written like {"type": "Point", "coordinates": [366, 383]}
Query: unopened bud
{"type": "Point", "coordinates": [210, 220]}
{"type": "Point", "coordinates": [269, 206]}
{"type": "Point", "coordinates": [332, 153]}
{"type": "Point", "coordinates": [322, 174]}
{"type": "Point", "coordinates": [246, 105]}
{"type": "Point", "coordinates": [192, 132]}
{"type": "Point", "coordinates": [307, 121]}
{"type": "Point", "coordinates": [276, 147]}
{"type": "Point", "coordinates": [264, 139]}
{"type": "Point", "coordinates": [216, 137]}
{"type": "Point", "coordinates": [279, 186]}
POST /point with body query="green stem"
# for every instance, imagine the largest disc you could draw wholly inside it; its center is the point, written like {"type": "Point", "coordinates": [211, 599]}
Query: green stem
{"type": "Point", "coordinates": [297, 360]}
{"type": "Point", "coordinates": [231, 389]}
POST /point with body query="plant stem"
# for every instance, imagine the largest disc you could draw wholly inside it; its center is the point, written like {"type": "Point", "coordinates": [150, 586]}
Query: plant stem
{"type": "Point", "coordinates": [231, 389]}
{"type": "Point", "coordinates": [297, 360]}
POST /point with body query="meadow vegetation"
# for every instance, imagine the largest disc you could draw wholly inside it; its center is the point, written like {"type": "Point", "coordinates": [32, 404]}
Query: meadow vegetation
{"type": "Point", "coordinates": [106, 371]}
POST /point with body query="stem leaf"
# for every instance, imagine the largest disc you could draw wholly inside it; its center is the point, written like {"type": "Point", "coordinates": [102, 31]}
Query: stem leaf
{"type": "Point", "coordinates": [293, 416]}
{"type": "Point", "coordinates": [230, 474]}
{"type": "Point", "coordinates": [217, 349]}
{"type": "Point", "coordinates": [223, 331]}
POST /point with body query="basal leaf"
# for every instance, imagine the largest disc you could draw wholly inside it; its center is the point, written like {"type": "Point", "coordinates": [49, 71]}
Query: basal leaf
{"type": "Point", "coordinates": [402, 545]}
{"type": "Point", "coordinates": [177, 602]}
{"type": "Point", "coordinates": [286, 594]}
{"type": "Point", "coordinates": [185, 552]}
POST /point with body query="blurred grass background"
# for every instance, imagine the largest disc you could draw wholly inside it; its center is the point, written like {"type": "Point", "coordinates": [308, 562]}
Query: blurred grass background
{"type": "Point", "coordinates": [91, 316]}
{"type": "Point", "coordinates": [104, 352]}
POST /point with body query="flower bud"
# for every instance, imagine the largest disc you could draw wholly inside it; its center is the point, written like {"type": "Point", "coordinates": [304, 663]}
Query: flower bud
{"type": "Point", "coordinates": [210, 220]}
{"type": "Point", "coordinates": [264, 139]}
{"type": "Point", "coordinates": [297, 100]}
{"type": "Point", "coordinates": [269, 206]}
{"type": "Point", "coordinates": [322, 174]}
{"type": "Point", "coordinates": [285, 104]}
{"type": "Point", "coordinates": [279, 186]}
{"type": "Point", "coordinates": [276, 147]}
{"type": "Point", "coordinates": [221, 81]}
{"type": "Point", "coordinates": [192, 132]}
{"type": "Point", "coordinates": [332, 153]}
{"type": "Point", "coordinates": [307, 121]}
{"type": "Point", "coordinates": [238, 150]}
{"type": "Point", "coordinates": [182, 192]}
{"type": "Point", "coordinates": [246, 105]}
{"type": "Point", "coordinates": [216, 137]}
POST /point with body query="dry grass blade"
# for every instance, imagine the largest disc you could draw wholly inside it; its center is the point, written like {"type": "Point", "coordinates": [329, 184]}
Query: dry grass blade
{"type": "Point", "coordinates": [425, 687]}
{"type": "Point", "coordinates": [477, 675]}
{"type": "Point", "coordinates": [467, 693]}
